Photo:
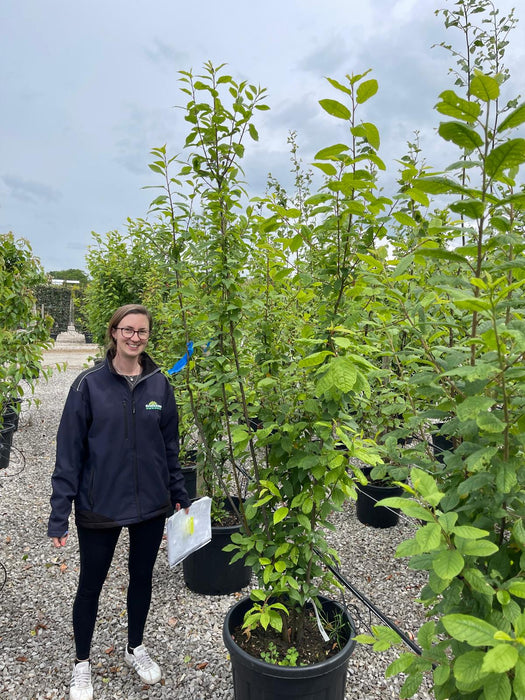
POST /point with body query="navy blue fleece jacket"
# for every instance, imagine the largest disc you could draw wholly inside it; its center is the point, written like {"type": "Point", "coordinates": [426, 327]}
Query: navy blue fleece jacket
{"type": "Point", "coordinates": [117, 450]}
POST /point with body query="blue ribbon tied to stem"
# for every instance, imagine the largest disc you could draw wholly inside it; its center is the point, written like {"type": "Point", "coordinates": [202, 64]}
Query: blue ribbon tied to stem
{"type": "Point", "coordinates": [180, 364]}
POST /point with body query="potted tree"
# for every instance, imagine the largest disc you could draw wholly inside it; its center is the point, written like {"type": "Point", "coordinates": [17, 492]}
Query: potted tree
{"type": "Point", "coordinates": [468, 317]}
{"type": "Point", "coordinates": [309, 382]}
{"type": "Point", "coordinates": [203, 244]}
{"type": "Point", "coordinates": [24, 333]}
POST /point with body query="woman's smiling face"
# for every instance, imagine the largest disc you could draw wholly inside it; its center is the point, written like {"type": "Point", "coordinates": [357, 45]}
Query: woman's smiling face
{"type": "Point", "coordinates": [135, 326]}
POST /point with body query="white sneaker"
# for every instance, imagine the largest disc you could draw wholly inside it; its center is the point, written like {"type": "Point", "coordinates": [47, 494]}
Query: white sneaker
{"type": "Point", "coordinates": [143, 664]}
{"type": "Point", "coordinates": [81, 688]}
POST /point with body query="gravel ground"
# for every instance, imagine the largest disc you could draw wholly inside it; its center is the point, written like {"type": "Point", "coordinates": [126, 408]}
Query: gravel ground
{"type": "Point", "coordinates": [184, 629]}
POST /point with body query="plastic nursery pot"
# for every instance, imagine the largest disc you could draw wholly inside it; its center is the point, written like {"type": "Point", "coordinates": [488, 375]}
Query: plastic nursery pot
{"type": "Point", "coordinates": [10, 413]}
{"type": "Point", "coordinates": [367, 497]}
{"type": "Point", "coordinates": [189, 473]}
{"type": "Point", "coordinates": [6, 440]}
{"type": "Point", "coordinates": [255, 679]}
{"type": "Point", "coordinates": [208, 570]}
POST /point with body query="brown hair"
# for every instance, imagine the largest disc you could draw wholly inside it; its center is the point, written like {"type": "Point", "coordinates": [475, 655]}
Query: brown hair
{"type": "Point", "coordinates": [117, 317]}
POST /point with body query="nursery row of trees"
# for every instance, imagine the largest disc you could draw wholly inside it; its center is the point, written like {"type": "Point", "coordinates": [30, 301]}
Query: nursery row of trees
{"type": "Point", "coordinates": [343, 322]}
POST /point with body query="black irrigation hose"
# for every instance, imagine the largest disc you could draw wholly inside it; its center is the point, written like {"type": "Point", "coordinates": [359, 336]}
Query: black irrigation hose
{"type": "Point", "coordinates": [368, 603]}
{"type": "Point", "coordinates": [2, 567]}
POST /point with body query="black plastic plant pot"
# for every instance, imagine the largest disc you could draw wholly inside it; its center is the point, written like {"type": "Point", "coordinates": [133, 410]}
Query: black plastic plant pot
{"type": "Point", "coordinates": [440, 445]}
{"type": "Point", "coordinates": [190, 480]}
{"type": "Point", "coordinates": [255, 679]}
{"type": "Point", "coordinates": [208, 570]}
{"type": "Point", "coordinates": [6, 440]}
{"type": "Point", "coordinates": [367, 497]}
{"type": "Point", "coordinates": [10, 414]}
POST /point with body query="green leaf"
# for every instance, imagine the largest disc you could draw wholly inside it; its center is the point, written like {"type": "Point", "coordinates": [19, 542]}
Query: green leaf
{"type": "Point", "coordinates": [484, 87]}
{"type": "Point", "coordinates": [461, 135]}
{"type": "Point", "coordinates": [472, 406]}
{"type": "Point", "coordinates": [404, 219]}
{"type": "Point", "coordinates": [470, 629]}
{"type": "Point", "coordinates": [472, 208]}
{"type": "Point", "coordinates": [409, 507]}
{"type": "Point", "coordinates": [516, 588]}
{"type": "Point", "coordinates": [400, 665]}
{"type": "Point", "coordinates": [515, 118]}
{"type": "Point", "coordinates": [477, 581]}
{"type": "Point", "coordinates": [490, 423]}
{"type": "Point", "coordinates": [345, 373]}
{"type": "Point", "coordinates": [426, 485]}
{"type": "Point", "coordinates": [330, 151]}
{"type": "Point", "coordinates": [500, 659]}
{"type": "Point", "coordinates": [448, 564]}
{"type": "Point", "coordinates": [280, 566]}
{"type": "Point", "coordinates": [429, 537]}
{"type": "Point", "coordinates": [411, 685]}
{"type": "Point", "coordinates": [425, 636]}
{"type": "Point", "coordinates": [470, 533]}
{"type": "Point", "coordinates": [253, 132]}
{"type": "Point", "coordinates": [518, 531]}
{"type": "Point", "coordinates": [441, 674]}
{"type": "Point", "coordinates": [266, 383]}
{"type": "Point", "coordinates": [408, 548]}
{"type": "Point", "coordinates": [476, 548]}
{"type": "Point", "coordinates": [368, 132]}
{"type": "Point", "coordinates": [339, 86]}
{"type": "Point", "coordinates": [440, 253]}
{"type": "Point", "coordinates": [335, 109]}
{"type": "Point", "coordinates": [519, 678]}
{"type": "Point", "coordinates": [506, 478]}
{"type": "Point", "coordinates": [497, 687]}
{"type": "Point", "coordinates": [280, 514]}
{"type": "Point", "coordinates": [366, 90]}
{"type": "Point", "coordinates": [453, 106]}
{"type": "Point", "coordinates": [508, 155]}
{"type": "Point", "coordinates": [467, 668]}
{"type": "Point", "coordinates": [271, 487]}
{"type": "Point", "coordinates": [472, 303]}
{"type": "Point", "coordinates": [316, 358]}
{"type": "Point", "coordinates": [327, 168]}
{"type": "Point", "coordinates": [439, 185]}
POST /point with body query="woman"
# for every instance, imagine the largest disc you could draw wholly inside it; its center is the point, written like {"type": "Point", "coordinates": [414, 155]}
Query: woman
{"type": "Point", "coordinates": [117, 459]}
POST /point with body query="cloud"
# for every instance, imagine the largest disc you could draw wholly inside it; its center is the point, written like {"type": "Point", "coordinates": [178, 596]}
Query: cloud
{"type": "Point", "coordinates": [162, 53]}
{"type": "Point", "coordinates": [327, 58]}
{"type": "Point", "coordinates": [29, 191]}
{"type": "Point", "coordinates": [142, 130]}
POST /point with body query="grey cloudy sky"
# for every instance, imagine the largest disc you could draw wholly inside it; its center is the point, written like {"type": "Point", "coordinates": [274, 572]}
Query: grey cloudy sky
{"type": "Point", "coordinates": [89, 87]}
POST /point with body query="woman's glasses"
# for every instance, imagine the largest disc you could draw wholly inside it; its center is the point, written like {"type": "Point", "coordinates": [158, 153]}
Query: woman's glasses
{"type": "Point", "coordinates": [128, 333]}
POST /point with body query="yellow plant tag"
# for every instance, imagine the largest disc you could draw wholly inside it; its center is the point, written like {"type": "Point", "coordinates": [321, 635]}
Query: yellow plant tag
{"type": "Point", "coordinates": [190, 526]}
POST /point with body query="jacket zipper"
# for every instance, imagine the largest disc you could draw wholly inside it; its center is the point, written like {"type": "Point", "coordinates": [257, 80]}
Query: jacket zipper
{"type": "Point", "coordinates": [135, 465]}
{"type": "Point", "coordinates": [125, 411]}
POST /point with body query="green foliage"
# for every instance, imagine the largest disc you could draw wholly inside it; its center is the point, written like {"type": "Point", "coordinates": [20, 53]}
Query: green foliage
{"type": "Point", "coordinates": [344, 323]}
{"type": "Point", "coordinates": [272, 656]}
{"type": "Point", "coordinates": [120, 268]}
{"type": "Point", "coordinates": [24, 334]}
{"type": "Point", "coordinates": [70, 274]}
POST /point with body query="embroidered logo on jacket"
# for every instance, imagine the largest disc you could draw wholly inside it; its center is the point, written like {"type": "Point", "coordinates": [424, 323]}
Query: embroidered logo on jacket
{"type": "Point", "coordinates": [153, 406]}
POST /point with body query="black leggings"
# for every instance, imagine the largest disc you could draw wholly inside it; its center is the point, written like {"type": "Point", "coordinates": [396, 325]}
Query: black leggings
{"type": "Point", "coordinates": [96, 553]}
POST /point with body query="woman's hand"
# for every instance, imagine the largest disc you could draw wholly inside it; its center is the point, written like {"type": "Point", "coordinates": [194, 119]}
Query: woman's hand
{"type": "Point", "coordinates": [60, 541]}
{"type": "Point", "coordinates": [177, 508]}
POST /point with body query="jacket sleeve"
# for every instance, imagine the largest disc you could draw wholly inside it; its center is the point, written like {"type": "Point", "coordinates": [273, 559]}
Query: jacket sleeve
{"type": "Point", "coordinates": [170, 431]}
{"type": "Point", "coordinates": [70, 455]}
